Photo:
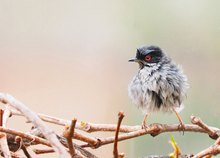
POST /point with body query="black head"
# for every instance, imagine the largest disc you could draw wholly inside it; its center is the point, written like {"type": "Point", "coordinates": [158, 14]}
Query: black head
{"type": "Point", "coordinates": [148, 55]}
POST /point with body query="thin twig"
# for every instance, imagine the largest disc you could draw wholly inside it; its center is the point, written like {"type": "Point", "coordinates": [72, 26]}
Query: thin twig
{"type": "Point", "coordinates": [32, 138]}
{"type": "Point", "coordinates": [43, 151]}
{"type": "Point", "coordinates": [3, 138]}
{"type": "Point", "coordinates": [200, 123]}
{"type": "Point", "coordinates": [33, 154]}
{"type": "Point", "coordinates": [212, 150]}
{"type": "Point", "coordinates": [88, 139]}
{"type": "Point", "coordinates": [115, 149]}
{"type": "Point", "coordinates": [84, 126]}
{"type": "Point", "coordinates": [79, 150]}
{"type": "Point", "coordinates": [1, 116]}
{"type": "Point", "coordinates": [93, 127]}
{"type": "Point", "coordinates": [154, 129]}
{"type": "Point", "coordinates": [6, 115]}
{"type": "Point", "coordinates": [28, 154]}
{"type": "Point", "coordinates": [31, 116]}
{"type": "Point", "coordinates": [167, 156]}
{"type": "Point", "coordinates": [20, 141]}
{"type": "Point", "coordinates": [15, 155]}
{"type": "Point", "coordinates": [68, 134]}
{"type": "Point", "coordinates": [217, 141]}
{"type": "Point", "coordinates": [4, 145]}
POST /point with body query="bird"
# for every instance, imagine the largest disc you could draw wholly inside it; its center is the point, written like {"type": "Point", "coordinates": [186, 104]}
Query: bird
{"type": "Point", "coordinates": [159, 85]}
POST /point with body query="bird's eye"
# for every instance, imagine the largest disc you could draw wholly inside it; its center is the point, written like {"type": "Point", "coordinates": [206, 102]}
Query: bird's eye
{"type": "Point", "coordinates": [147, 57]}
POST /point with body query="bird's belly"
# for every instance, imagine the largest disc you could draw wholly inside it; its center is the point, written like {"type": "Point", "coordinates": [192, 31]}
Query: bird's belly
{"type": "Point", "coordinates": [141, 97]}
{"type": "Point", "coordinates": [136, 94]}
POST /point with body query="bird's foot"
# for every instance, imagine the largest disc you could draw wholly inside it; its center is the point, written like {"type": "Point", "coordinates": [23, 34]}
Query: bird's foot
{"type": "Point", "coordinates": [144, 122]}
{"type": "Point", "coordinates": [181, 127]}
{"type": "Point", "coordinates": [144, 125]}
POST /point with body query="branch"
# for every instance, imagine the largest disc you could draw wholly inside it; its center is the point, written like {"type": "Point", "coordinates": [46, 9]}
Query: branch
{"type": "Point", "coordinates": [43, 151]}
{"type": "Point", "coordinates": [3, 137]}
{"type": "Point", "coordinates": [31, 116]}
{"type": "Point", "coordinates": [4, 145]}
{"type": "Point", "coordinates": [212, 150]}
{"type": "Point", "coordinates": [154, 129]}
{"type": "Point", "coordinates": [94, 127]}
{"type": "Point", "coordinates": [79, 150]}
{"type": "Point", "coordinates": [32, 138]}
{"type": "Point", "coordinates": [128, 132]}
{"type": "Point", "coordinates": [20, 141]}
{"type": "Point", "coordinates": [68, 134]}
{"type": "Point", "coordinates": [6, 114]}
{"type": "Point", "coordinates": [115, 150]}
{"type": "Point", "coordinates": [217, 141]}
{"type": "Point", "coordinates": [84, 126]}
{"type": "Point", "coordinates": [212, 133]}
{"type": "Point", "coordinates": [132, 131]}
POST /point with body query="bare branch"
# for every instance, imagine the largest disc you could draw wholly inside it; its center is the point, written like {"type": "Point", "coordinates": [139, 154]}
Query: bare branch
{"type": "Point", "coordinates": [212, 150]}
{"type": "Point", "coordinates": [217, 141]}
{"type": "Point", "coordinates": [115, 150]}
{"type": "Point", "coordinates": [200, 123]}
{"type": "Point", "coordinates": [79, 150]}
{"type": "Point", "coordinates": [3, 137]}
{"type": "Point", "coordinates": [84, 126]}
{"type": "Point", "coordinates": [31, 116]}
{"type": "Point", "coordinates": [20, 141]}
{"type": "Point", "coordinates": [43, 151]}
{"type": "Point", "coordinates": [32, 138]}
{"type": "Point", "coordinates": [32, 153]}
{"type": "Point", "coordinates": [4, 145]}
{"type": "Point", "coordinates": [94, 142]}
{"type": "Point", "coordinates": [154, 129]}
{"type": "Point", "coordinates": [93, 127]}
{"type": "Point", "coordinates": [1, 117]}
{"type": "Point", "coordinates": [54, 140]}
{"type": "Point", "coordinates": [7, 113]}
{"type": "Point", "coordinates": [68, 134]}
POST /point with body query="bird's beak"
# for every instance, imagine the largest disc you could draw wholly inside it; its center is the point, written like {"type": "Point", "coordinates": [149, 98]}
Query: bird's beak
{"type": "Point", "coordinates": [133, 60]}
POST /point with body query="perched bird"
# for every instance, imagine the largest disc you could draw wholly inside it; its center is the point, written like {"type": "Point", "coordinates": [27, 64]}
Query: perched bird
{"type": "Point", "coordinates": [159, 84]}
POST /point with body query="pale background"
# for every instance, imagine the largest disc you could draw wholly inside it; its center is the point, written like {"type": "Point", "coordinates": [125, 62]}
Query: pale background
{"type": "Point", "coordinates": [69, 59]}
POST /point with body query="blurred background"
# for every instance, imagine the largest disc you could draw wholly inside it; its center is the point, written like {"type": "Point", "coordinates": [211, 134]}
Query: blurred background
{"type": "Point", "coordinates": [69, 59]}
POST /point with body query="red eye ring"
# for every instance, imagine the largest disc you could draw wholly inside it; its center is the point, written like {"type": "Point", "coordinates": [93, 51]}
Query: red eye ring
{"type": "Point", "coordinates": [147, 57]}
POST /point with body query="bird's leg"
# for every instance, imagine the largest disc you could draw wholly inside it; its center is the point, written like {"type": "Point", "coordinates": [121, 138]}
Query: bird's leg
{"type": "Point", "coordinates": [181, 125]}
{"type": "Point", "coordinates": [144, 122]}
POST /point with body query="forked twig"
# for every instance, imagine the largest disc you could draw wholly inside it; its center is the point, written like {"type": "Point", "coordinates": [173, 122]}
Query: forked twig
{"type": "Point", "coordinates": [68, 134]}
{"type": "Point", "coordinates": [200, 123]}
{"type": "Point", "coordinates": [115, 149]}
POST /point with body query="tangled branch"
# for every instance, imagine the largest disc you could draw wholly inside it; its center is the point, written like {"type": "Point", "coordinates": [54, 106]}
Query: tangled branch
{"type": "Point", "coordinates": [63, 144]}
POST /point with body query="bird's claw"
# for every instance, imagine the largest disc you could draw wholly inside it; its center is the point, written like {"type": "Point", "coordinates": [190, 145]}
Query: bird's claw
{"type": "Point", "coordinates": [181, 127]}
{"type": "Point", "coordinates": [144, 125]}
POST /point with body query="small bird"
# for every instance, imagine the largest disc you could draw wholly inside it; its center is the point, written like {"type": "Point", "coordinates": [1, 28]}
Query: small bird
{"type": "Point", "coordinates": [159, 84]}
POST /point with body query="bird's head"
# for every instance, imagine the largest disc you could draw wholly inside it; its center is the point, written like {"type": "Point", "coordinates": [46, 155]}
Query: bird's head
{"type": "Point", "coordinates": [148, 56]}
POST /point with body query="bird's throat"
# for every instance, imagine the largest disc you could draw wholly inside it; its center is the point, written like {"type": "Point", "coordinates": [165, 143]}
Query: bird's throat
{"type": "Point", "coordinates": [141, 65]}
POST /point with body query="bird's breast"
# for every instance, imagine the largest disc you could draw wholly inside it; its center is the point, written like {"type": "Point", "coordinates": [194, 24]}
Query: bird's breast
{"type": "Point", "coordinates": [140, 86]}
